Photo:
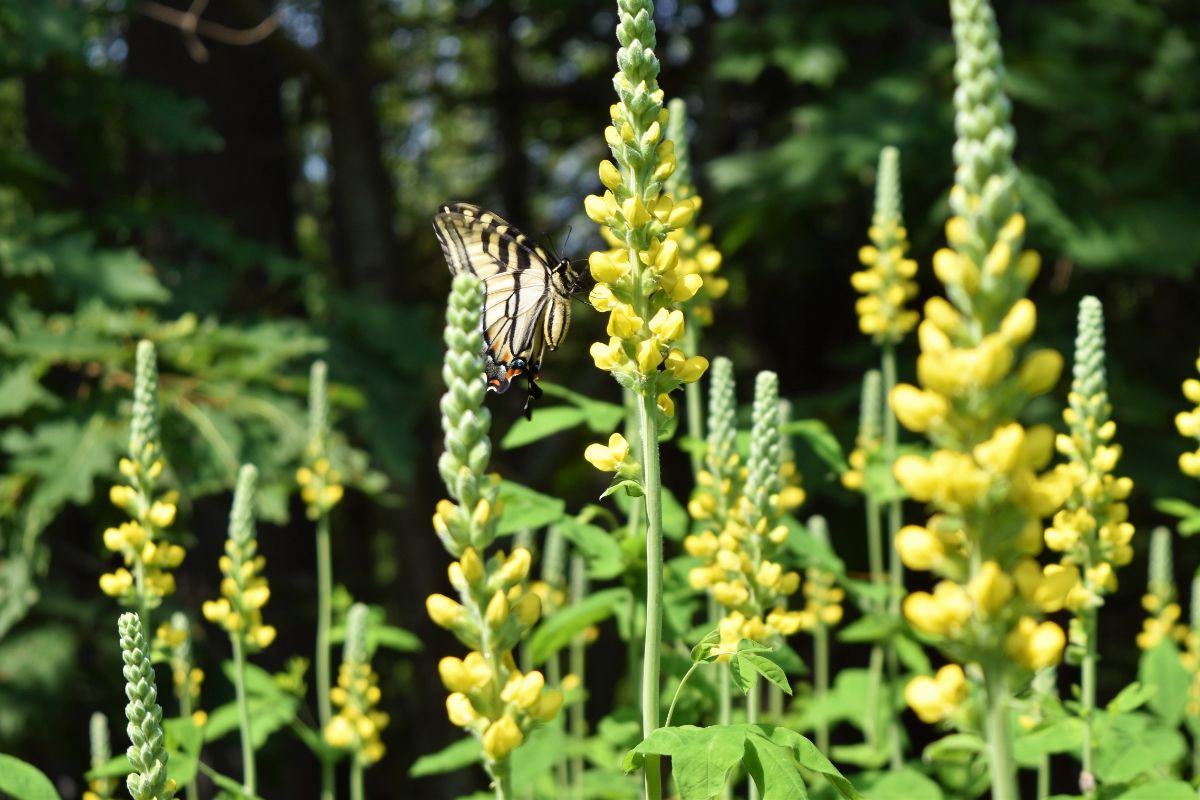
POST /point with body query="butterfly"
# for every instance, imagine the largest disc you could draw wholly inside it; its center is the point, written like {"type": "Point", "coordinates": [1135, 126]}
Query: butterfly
{"type": "Point", "coordinates": [527, 292]}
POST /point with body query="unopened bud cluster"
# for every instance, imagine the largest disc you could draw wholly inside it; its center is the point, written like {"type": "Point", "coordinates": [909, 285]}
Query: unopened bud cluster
{"type": "Point", "coordinates": [639, 282]}
{"type": "Point", "coordinates": [244, 589]}
{"type": "Point", "coordinates": [740, 510]}
{"type": "Point", "coordinates": [141, 541]}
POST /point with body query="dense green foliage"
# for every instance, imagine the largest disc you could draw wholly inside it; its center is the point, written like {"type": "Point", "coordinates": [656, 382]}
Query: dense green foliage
{"type": "Point", "coordinates": [250, 211]}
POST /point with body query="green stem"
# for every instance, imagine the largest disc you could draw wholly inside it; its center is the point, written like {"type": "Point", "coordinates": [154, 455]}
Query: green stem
{"type": "Point", "coordinates": [652, 483]}
{"type": "Point", "coordinates": [1003, 772]}
{"type": "Point", "coordinates": [895, 517]}
{"type": "Point", "coordinates": [1087, 701]}
{"type": "Point", "coordinates": [324, 613]}
{"type": "Point", "coordinates": [875, 671]}
{"type": "Point", "coordinates": [774, 704]}
{"type": "Point", "coordinates": [752, 719]}
{"type": "Point", "coordinates": [678, 689]}
{"type": "Point", "coordinates": [249, 783]}
{"type": "Point", "coordinates": [356, 779]}
{"type": "Point", "coordinates": [139, 582]}
{"type": "Point", "coordinates": [185, 711]}
{"type": "Point", "coordinates": [724, 692]}
{"type": "Point", "coordinates": [692, 397]}
{"type": "Point", "coordinates": [821, 681]}
{"type": "Point", "coordinates": [1043, 778]}
{"type": "Point", "coordinates": [502, 779]}
{"type": "Point", "coordinates": [578, 663]}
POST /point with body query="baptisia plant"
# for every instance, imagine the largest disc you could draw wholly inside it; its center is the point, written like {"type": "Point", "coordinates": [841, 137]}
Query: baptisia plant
{"type": "Point", "coordinates": [489, 696]}
{"type": "Point", "coordinates": [985, 482]}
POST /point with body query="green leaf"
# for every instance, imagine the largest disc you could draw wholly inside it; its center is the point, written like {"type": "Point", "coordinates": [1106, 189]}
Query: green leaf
{"type": "Point", "coordinates": [66, 457]}
{"type": "Point", "coordinates": [546, 422]}
{"type": "Point", "coordinates": [267, 715]}
{"type": "Point", "coordinates": [115, 767]}
{"type": "Point", "coordinates": [868, 628]}
{"type": "Point", "coordinates": [393, 638]}
{"type": "Point", "coordinates": [183, 735]}
{"type": "Point", "coordinates": [538, 754]}
{"type": "Point", "coordinates": [632, 488]}
{"type": "Point", "coordinates": [703, 649]}
{"type": "Point", "coordinates": [454, 756]}
{"type": "Point", "coordinates": [773, 770]}
{"type": "Point", "coordinates": [525, 508]}
{"type": "Point", "coordinates": [1136, 744]}
{"type": "Point", "coordinates": [911, 654]}
{"type": "Point", "coordinates": [822, 441]}
{"type": "Point", "coordinates": [1131, 698]}
{"type": "Point", "coordinates": [24, 781]}
{"type": "Point", "coordinates": [908, 784]}
{"type": "Point", "coordinates": [1159, 790]}
{"type": "Point", "coordinates": [1059, 736]}
{"type": "Point", "coordinates": [601, 417]}
{"type": "Point", "coordinates": [557, 630]}
{"type": "Point", "coordinates": [21, 391]}
{"type": "Point", "coordinates": [1176, 507]}
{"type": "Point", "coordinates": [1160, 668]}
{"type": "Point", "coordinates": [600, 550]}
{"type": "Point", "coordinates": [811, 758]}
{"type": "Point", "coordinates": [957, 748]}
{"type": "Point", "coordinates": [701, 758]}
{"type": "Point", "coordinates": [748, 661]}
{"type": "Point", "coordinates": [674, 517]}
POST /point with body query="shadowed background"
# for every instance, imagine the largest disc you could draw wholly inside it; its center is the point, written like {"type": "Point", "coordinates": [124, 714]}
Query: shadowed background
{"type": "Point", "coordinates": [267, 187]}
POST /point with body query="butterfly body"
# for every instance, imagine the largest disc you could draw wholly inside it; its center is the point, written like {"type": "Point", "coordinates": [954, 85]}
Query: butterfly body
{"type": "Point", "coordinates": [527, 292]}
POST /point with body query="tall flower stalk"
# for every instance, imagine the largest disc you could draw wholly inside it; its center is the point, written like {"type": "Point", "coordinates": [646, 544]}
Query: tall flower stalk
{"type": "Point", "coordinates": [639, 284]}
{"type": "Point", "coordinates": [244, 592]}
{"type": "Point", "coordinates": [175, 638]}
{"type": "Point", "coordinates": [886, 285]}
{"type": "Point", "coordinates": [984, 482]}
{"type": "Point", "coordinates": [147, 750]}
{"type": "Point", "coordinates": [321, 490]}
{"type": "Point", "coordinates": [358, 723]}
{"type": "Point", "coordinates": [489, 696]}
{"type": "Point", "coordinates": [101, 752]}
{"type": "Point", "coordinates": [1092, 532]}
{"type": "Point", "coordinates": [141, 541]}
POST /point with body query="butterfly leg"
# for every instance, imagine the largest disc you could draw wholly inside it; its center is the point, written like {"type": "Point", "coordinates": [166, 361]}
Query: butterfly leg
{"type": "Point", "coordinates": [534, 393]}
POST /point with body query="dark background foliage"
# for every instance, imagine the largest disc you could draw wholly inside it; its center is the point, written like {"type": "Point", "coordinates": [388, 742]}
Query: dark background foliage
{"type": "Point", "coordinates": [254, 203]}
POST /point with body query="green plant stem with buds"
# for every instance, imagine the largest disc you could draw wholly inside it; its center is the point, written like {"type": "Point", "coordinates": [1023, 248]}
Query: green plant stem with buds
{"type": "Point", "coordinates": [1003, 769]}
{"type": "Point", "coordinates": [249, 779]}
{"type": "Point", "coordinates": [147, 752]}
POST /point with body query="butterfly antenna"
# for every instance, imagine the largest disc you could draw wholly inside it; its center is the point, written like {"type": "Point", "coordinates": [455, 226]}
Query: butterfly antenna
{"type": "Point", "coordinates": [566, 239]}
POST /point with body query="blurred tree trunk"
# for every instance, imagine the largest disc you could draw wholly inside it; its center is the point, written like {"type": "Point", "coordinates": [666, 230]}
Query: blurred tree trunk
{"type": "Point", "coordinates": [248, 179]}
{"type": "Point", "coordinates": [364, 242]}
{"type": "Point", "coordinates": [509, 99]}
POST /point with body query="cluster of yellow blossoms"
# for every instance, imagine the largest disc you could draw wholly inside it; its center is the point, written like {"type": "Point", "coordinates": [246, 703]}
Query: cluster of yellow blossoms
{"type": "Point", "coordinates": [886, 280]}
{"type": "Point", "coordinates": [1160, 601]}
{"type": "Point", "coordinates": [1188, 423]}
{"type": "Point", "coordinates": [320, 484]}
{"type": "Point", "coordinates": [146, 578]}
{"type": "Point", "coordinates": [358, 723]}
{"type": "Point", "coordinates": [244, 589]}
{"type": "Point", "coordinates": [740, 509]}
{"type": "Point", "coordinates": [639, 282]}
{"type": "Point", "coordinates": [869, 440]}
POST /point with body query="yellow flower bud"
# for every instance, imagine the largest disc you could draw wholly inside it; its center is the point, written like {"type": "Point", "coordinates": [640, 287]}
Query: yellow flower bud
{"type": "Point", "coordinates": [340, 732]}
{"type": "Point", "coordinates": [610, 176]}
{"type": "Point", "coordinates": [528, 609]}
{"type": "Point", "coordinates": [515, 567]}
{"type": "Point", "coordinates": [501, 738]}
{"type": "Point", "coordinates": [122, 496]}
{"type": "Point", "coordinates": [649, 356]}
{"type": "Point", "coordinates": [991, 589]}
{"type": "Point", "coordinates": [667, 325]}
{"type": "Point", "coordinates": [917, 409]}
{"type": "Point", "coordinates": [686, 287]}
{"type": "Point", "coordinates": [264, 635]}
{"type": "Point", "coordinates": [610, 458]}
{"type": "Point", "coordinates": [667, 258]}
{"type": "Point", "coordinates": [1040, 371]}
{"type": "Point", "coordinates": [547, 706]}
{"type": "Point", "coordinates": [162, 514]}
{"type": "Point", "coordinates": [596, 208]}
{"type": "Point", "coordinates": [606, 269]}
{"type": "Point", "coordinates": [1189, 464]}
{"type": "Point", "coordinates": [1019, 323]}
{"type": "Point", "coordinates": [623, 322]}
{"type": "Point", "coordinates": [115, 584]}
{"type": "Point", "coordinates": [459, 710]}
{"type": "Point", "coordinates": [497, 610]}
{"type": "Point", "coordinates": [442, 610]}
{"type": "Point", "coordinates": [1191, 390]}
{"type": "Point", "coordinates": [919, 549]}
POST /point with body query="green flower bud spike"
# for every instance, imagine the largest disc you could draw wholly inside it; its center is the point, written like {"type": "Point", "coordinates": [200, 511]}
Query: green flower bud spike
{"type": "Point", "coordinates": [147, 753]}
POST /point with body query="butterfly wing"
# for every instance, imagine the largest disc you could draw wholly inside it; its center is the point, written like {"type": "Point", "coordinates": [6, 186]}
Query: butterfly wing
{"type": "Point", "coordinates": [516, 273]}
